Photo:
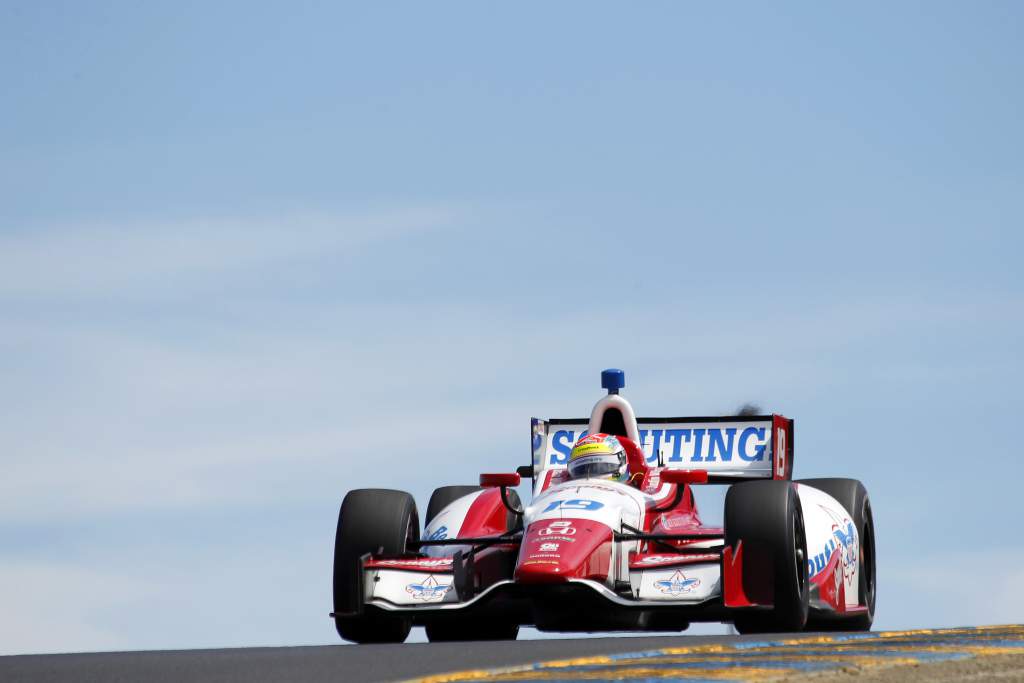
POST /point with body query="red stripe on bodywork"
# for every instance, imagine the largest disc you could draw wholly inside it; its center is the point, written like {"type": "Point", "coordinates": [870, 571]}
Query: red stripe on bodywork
{"type": "Point", "coordinates": [733, 594]}
{"type": "Point", "coordinates": [636, 461]}
{"type": "Point", "coordinates": [657, 560]}
{"type": "Point", "coordinates": [486, 516]}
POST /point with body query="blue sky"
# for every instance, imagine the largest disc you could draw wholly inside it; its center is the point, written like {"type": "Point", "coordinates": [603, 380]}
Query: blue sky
{"type": "Point", "coordinates": [254, 257]}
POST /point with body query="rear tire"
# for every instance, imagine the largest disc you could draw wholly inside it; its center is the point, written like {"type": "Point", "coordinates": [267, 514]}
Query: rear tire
{"type": "Point", "coordinates": [444, 496]}
{"type": "Point", "coordinates": [766, 516]}
{"type": "Point", "coordinates": [852, 495]}
{"type": "Point", "coordinates": [370, 521]}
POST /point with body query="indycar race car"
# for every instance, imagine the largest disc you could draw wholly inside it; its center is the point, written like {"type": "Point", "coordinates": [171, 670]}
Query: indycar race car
{"type": "Point", "coordinates": [594, 554]}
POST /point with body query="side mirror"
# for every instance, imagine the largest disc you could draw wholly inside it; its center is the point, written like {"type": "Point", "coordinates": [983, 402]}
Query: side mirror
{"type": "Point", "coordinates": [681, 477]}
{"type": "Point", "coordinates": [685, 476]}
{"type": "Point", "coordinates": [501, 480]}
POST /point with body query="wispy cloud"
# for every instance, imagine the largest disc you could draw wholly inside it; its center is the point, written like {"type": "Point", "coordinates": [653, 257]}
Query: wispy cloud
{"type": "Point", "coordinates": [102, 258]}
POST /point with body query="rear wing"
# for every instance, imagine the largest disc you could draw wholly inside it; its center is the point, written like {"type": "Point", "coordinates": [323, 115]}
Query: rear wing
{"type": "Point", "coordinates": [731, 449]}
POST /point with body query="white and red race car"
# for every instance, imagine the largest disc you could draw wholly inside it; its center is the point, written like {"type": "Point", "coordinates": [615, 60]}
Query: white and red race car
{"type": "Point", "coordinates": [598, 555]}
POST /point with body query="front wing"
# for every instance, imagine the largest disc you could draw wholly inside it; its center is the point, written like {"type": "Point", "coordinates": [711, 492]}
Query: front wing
{"type": "Point", "coordinates": [443, 584]}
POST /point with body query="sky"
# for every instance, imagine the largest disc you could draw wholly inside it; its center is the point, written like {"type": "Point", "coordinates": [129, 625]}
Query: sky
{"type": "Point", "coordinates": [256, 255]}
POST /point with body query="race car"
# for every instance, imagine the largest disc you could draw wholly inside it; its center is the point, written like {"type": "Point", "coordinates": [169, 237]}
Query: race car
{"type": "Point", "coordinates": [595, 552]}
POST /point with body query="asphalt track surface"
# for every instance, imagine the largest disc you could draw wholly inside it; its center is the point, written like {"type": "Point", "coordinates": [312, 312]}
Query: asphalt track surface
{"type": "Point", "coordinates": [667, 657]}
{"type": "Point", "coordinates": [335, 663]}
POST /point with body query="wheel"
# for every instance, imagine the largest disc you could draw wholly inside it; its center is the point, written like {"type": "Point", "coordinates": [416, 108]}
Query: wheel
{"type": "Point", "coordinates": [370, 521]}
{"type": "Point", "coordinates": [470, 629]}
{"type": "Point", "coordinates": [441, 632]}
{"type": "Point", "coordinates": [852, 495]}
{"type": "Point", "coordinates": [766, 515]}
{"type": "Point", "coordinates": [446, 495]}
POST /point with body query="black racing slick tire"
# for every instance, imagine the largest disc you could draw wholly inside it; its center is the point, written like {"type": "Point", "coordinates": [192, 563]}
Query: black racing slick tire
{"type": "Point", "coordinates": [852, 495]}
{"type": "Point", "coordinates": [446, 495]}
{"type": "Point", "coordinates": [371, 521]}
{"type": "Point", "coordinates": [766, 517]}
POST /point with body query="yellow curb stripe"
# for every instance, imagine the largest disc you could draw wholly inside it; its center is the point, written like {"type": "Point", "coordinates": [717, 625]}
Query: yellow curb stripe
{"type": "Point", "coordinates": [730, 674]}
{"type": "Point", "coordinates": [839, 651]}
{"type": "Point", "coordinates": [581, 661]}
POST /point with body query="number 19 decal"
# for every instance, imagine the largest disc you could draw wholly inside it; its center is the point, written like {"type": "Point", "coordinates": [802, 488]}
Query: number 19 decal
{"type": "Point", "coordinates": [574, 504]}
{"type": "Point", "coordinates": [780, 457]}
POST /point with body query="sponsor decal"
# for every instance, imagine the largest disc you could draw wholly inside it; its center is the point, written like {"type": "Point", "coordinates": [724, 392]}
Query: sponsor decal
{"type": "Point", "coordinates": [695, 444]}
{"type": "Point", "coordinates": [574, 504]}
{"type": "Point", "coordinates": [601, 487]}
{"type": "Point", "coordinates": [437, 562]}
{"type": "Point", "coordinates": [843, 541]}
{"type": "Point", "coordinates": [541, 562]}
{"type": "Point", "coordinates": [543, 555]}
{"type": "Point", "coordinates": [439, 535]}
{"type": "Point", "coordinates": [429, 590]}
{"type": "Point", "coordinates": [584, 449]}
{"type": "Point", "coordinates": [558, 526]}
{"type": "Point", "coordinates": [548, 547]}
{"type": "Point", "coordinates": [678, 584]}
{"type": "Point", "coordinates": [537, 441]}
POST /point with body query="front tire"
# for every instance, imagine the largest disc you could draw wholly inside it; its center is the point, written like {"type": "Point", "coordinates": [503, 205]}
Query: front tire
{"type": "Point", "coordinates": [370, 521]}
{"type": "Point", "coordinates": [766, 517]}
{"type": "Point", "coordinates": [852, 495]}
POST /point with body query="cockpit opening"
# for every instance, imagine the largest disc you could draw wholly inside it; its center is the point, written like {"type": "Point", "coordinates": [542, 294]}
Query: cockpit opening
{"type": "Point", "coordinates": [612, 422]}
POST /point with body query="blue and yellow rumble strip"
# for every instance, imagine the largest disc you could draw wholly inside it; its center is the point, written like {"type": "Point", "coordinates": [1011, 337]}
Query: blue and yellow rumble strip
{"type": "Point", "coordinates": [766, 659]}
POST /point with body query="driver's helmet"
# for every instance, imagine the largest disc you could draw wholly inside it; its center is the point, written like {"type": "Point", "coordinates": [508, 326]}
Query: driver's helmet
{"type": "Point", "coordinates": [598, 456]}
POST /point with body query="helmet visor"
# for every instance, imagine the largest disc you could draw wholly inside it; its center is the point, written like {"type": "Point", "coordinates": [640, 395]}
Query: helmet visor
{"type": "Point", "coordinates": [592, 466]}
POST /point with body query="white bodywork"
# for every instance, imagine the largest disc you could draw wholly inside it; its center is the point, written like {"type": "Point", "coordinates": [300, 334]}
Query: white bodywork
{"type": "Point", "coordinates": [683, 583]}
{"type": "Point", "coordinates": [830, 530]}
{"type": "Point", "coordinates": [412, 589]}
{"type": "Point", "coordinates": [447, 523]}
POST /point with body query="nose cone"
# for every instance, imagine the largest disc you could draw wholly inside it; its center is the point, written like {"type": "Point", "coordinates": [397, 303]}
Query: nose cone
{"type": "Point", "coordinates": [556, 550]}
